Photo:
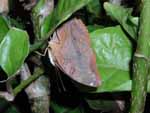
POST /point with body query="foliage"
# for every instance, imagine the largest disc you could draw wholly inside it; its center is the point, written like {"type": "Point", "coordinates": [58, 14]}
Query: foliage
{"type": "Point", "coordinates": [113, 51]}
{"type": "Point", "coordinates": [53, 20]}
{"type": "Point", "coordinates": [94, 7]}
{"type": "Point", "coordinates": [123, 16]}
{"type": "Point", "coordinates": [15, 41]}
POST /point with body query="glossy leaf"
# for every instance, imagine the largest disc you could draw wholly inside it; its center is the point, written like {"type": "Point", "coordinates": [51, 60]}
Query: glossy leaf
{"type": "Point", "coordinates": [14, 48]}
{"type": "Point", "coordinates": [113, 52]}
{"type": "Point", "coordinates": [63, 10]}
{"type": "Point", "coordinates": [113, 77]}
{"type": "Point", "coordinates": [39, 13]}
{"type": "Point", "coordinates": [94, 7]}
{"type": "Point", "coordinates": [3, 28]}
{"type": "Point", "coordinates": [123, 16]}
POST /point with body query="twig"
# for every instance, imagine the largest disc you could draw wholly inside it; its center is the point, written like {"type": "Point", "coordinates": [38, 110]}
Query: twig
{"type": "Point", "coordinates": [26, 82]}
{"type": "Point", "coordinates": [37, 45]}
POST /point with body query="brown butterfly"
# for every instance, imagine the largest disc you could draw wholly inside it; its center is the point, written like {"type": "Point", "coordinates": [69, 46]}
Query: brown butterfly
{"type": "Point", "coordinates": [69, 50]}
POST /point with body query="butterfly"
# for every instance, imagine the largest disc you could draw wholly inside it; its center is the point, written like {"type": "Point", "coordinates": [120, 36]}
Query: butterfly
{"type": "Point", "coordinates": [70, 50]}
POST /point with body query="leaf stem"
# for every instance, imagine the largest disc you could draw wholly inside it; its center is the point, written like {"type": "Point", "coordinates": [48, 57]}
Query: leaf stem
{"type": "Point", "coordinates": [36, 45]}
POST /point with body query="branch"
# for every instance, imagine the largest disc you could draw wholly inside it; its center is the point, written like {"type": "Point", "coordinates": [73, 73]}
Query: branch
{"type": "Point", "coordinates": [28, 81]}
{"type": "Point", "coordinates": [9, 96]}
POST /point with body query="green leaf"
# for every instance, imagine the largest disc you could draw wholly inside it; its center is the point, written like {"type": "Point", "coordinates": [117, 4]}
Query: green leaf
{"type": "Point", "coordinates": [3, 28]}
{"type": "Point", "coordinates": [58, 108]}
{"type": "Point", "coordinates": [14, 48]}
{"type": "Point", "coordinates": [113, 53]}
{"type": "Point", "coordinates": [113, 61]}
{"type": "Point", "coordinates": [62, 12]}
{"type": "Point", "coordinates": [39, 13]}
{"type": "Point", "coordinates": [123, 16]}
{"type": "Point", "coordinates": [94, 7]}
{"type": "Point", "coordinates": [94, 27]}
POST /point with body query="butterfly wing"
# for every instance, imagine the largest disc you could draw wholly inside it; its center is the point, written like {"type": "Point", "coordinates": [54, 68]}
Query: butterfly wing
{"type": "Point", "coordinates": [71, 48]}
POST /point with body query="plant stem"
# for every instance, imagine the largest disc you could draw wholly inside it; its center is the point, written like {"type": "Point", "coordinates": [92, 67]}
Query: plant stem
{"type": "Point", "coordinates": [141, 62]}
{"type": "Point", "coordinates": [36, 45]}
{"type": "Point", "coordinates": [25, 83]}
